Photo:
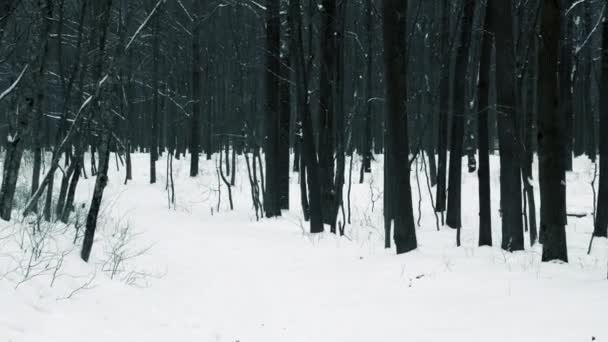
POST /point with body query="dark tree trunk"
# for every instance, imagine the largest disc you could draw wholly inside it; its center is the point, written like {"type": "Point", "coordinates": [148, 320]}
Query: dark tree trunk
{"type": "Point", "coordinates": [196, 90]}
{"type": "Point", "coordinates": [68, 206]}
{"type": "Point", "coordinates": [444, 97]}
{"type": "Point", "coordinates": [395, 54]}
{"type": "Point", "coordinates": [283, 135]}
{"type": "Point", "coordinates": [46, 13]}
{"type": "Point", "coordinates": [273, 107]}
{"type": "Point", "coordinates": [483, 173]}
{"type": "Point", "coordinates": [48, 199]}
{"type": "Point", "coordinates": [294, 18]}
{"type": "Point", "coordinates": [310, 163]}
{"type": "Point", "coordinates": [63, 189]}
{"type": "Point", "coordinates": [601, 217]}
{"type": "Point", "coordinates": [589, 69]}
{"type": "Point", "coordinates": [366, 166]}
{"type": "Point", "coordinates": [454, 214]}
{"type": "Point", "coordinates": [12, 164]}
{"type": "Point", "coordinates": [551, 142]}
{"type": "Point", "coordinates": [529, 135]}
{"type": "Point", "coordinates": [155, 98]}
{"type": "Point", "coordinates": [565, 84]}
{"type": "Point", "coordinates": [327, 84]}
{"type": "Point", "coordinates": [102, 10]}
{"type": "Point", "coordinates": [510, 176]}
{"type": "Point", "coordinates": [339, 119]}
{"type": "Point", "coordinates": [12, 160]}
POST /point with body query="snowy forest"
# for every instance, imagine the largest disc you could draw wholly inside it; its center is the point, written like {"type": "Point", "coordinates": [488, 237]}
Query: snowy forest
{"type": "Point", "coordinates": [303, 170]}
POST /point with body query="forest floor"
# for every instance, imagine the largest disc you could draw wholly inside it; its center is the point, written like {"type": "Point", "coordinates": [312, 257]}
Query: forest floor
{"type": "Point", "coordinates": [195, 274]}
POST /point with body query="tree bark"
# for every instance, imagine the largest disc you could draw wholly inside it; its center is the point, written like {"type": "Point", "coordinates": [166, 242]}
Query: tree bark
{"type": "Point", "coordinates": [366, 166]}
{"type": "Point", "coordinates": [444, 96]}
{"type": "Point", "coordinates": [327, 84]}
{"type": "Point", "coordinates": [395, 54]}
{"type": "Point", "coordinates": [273, 107]}
{"type": "Point", "coordinates": [601, 217]}
{"type": "Point", "coordinates": [483, 173]}
{"type": "Point", "coordinates": [454, 214]}
{"type": "Point", "coordinates": [155, 98]}
{"type": "Point", "coordinates": [102, 10]}
{"type": "Point", "coordinates": [551, 140]}
{"type": "Point", "coordinates": [195, 130]}
{"type": "Point", "coordinates": [510, 176]}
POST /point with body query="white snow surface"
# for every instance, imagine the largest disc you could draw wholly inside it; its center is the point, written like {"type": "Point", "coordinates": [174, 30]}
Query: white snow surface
{"type": "Point", "coordinates": [202, 275]}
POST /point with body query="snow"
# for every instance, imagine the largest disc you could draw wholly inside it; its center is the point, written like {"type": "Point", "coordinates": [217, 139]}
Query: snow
{"type": "Point", "coordinates": [14, 84]}
{"type": "Point", "coordinates": [197, 274]}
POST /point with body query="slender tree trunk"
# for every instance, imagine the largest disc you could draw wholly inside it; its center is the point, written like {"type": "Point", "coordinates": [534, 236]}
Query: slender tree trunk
{"type": "Point", "coordinates": [601, 217]}
{"type": "Point", "coordinates": [565, 84]}
{"type": "Point", "coordinates": [310, 163]}
{"type": "Point", "coordinates": [327, 106]}
{"type": "Point", "coordinates": [588, 78]}
{"type": "Point", "coordinates": [366, 166]}
{"type": "Point", "coordinates": [444, 96]}
{"type": "Point", "coordinates": [483, 173]}
{"type": "Point", "coordinates": [63, 189]}
{"type": "Point", "coordinates": [339, 115]}
{"type": "Point", "coordinates": [284, 122]}
{"type": "Point", "coordinates": [68, 206]}
{"type": "Point", "coordinates": [454, 213]}
{"type": "Point", "coordinates": [529, 131]}
{"type": "Point", "coordinates": [46, 13]}
{"type": "Point", "coordinates": [196, 90]}
{"type": "Point", "coordinates": [102, 10]}
{"type": "Point", "coordinates": [155, 98]}
{"type": "Point", "coordinates": [272, 118]}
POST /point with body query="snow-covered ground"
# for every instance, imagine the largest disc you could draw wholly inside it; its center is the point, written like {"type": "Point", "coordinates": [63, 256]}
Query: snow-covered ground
{"type": "Point", "coordinates": [196, 274]}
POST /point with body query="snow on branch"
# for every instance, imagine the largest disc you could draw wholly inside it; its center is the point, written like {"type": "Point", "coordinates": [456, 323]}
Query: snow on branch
{"type": "Point", "coordinates": [597, 24]}
{"type": "Point", "coordinates": [258, 5]}
{"type": "Point", "coordinates": [143, 24]}
{"type": "Point", "coordinates": [185, 10]}
{"type": "Point", "coordinates": [14, 85]}
{"type": "Point", "coordinates": [575, 4]}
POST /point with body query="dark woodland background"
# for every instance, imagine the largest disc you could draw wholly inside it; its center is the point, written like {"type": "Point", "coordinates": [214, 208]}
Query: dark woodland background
{"type": "Point", "coordinates": [322, 79]}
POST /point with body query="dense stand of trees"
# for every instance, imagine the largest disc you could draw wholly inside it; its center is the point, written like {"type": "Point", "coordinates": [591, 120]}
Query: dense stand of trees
{"type": "Point", "coordinates": [403, 79]}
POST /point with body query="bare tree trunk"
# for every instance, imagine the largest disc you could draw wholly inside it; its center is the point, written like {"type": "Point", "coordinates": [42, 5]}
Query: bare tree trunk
{"type": "Point", "coordinates": [501, 21]}
{"type": "Point", "coordinates": [284, 122]}
{"type": "Point", "coordinates": [12, 163]}
{"type": "Point", "coordinates": [483, 173]}
{"type": "Point", "coordinates": [102, 10]}
{"type": "Point", "coordinates": [196, 90]}
{"type": "Point", "coordinates": [395, 54]}
{"type": "Point", "coordinates": [46, 15]}
{"type": "Point", "coordinates": [272, 119]}
{"type": "Point", "coordinates": [67, 208]}
{"type": "Point", "coordinates": [366, 166]}
{"type": "Point", "coordinates": [565, 84]}
{"type": "Point", "coordinates": [155, 96]}
{"type": "Point", "coordinates": [327, 84]}
{"type": "Point", "coordinates": [444, 96]}
{"type": "Point", "coordinates": [551, 142]}
{"type": "Point", "coordinates": [294, 20]}
{"type": "Point", "coordinates": [601, 217]}
{"type": "Point", "coordinates": [309, 164]}
{"type": "Point", "coordinates": [454, 213]}
{"type": "Point", "coordinates": [529, 131]}
{"type": "Point", "coordinates": [15, 146]}
{"type": "Point", "coordinates": [339, 114]}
